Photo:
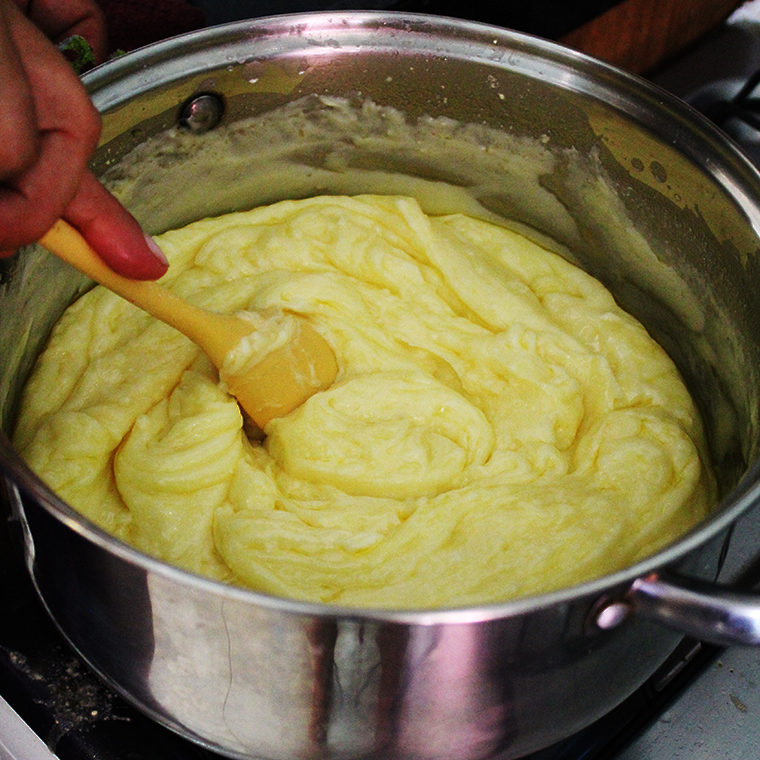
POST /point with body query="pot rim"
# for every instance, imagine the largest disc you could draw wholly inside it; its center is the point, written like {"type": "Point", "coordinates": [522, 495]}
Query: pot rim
{"type": "Point", "coordinates": [155, 65]}
{"type": "Point", "coordinates": [145, 67]}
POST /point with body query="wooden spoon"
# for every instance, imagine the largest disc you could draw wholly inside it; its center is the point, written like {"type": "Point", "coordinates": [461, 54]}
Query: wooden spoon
{"type": "Point", "coordinates": [275, 386]}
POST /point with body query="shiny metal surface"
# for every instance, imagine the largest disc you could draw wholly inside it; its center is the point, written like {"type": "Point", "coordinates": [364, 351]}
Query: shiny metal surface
{"type": "Point", "coordinates": [647, 197]}
{"type": "Point", "coordinates": [257, 677]}
{"type": "Point", "coordinates": [701, 610]}
{"type": "Point", "coordinates": [17, 740]}
{"type": "Point", "coordinates": [202, 113]}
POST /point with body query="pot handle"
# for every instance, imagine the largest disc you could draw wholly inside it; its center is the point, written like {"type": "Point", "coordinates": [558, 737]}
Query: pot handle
{"type": "Point", "coordinates": [698, 609]}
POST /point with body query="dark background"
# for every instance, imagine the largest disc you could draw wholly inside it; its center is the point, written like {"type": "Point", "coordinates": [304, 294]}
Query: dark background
{"type": "Point", "coordinates": [638, 35]}
{"type": "Point", "coordinates": [545, 18]}
{"type": "Point", "coordinates": [134, 25]}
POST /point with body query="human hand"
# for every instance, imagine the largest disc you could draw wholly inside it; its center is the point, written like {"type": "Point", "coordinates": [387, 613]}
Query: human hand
{"type": "Point", "coordinates": [48, 131]}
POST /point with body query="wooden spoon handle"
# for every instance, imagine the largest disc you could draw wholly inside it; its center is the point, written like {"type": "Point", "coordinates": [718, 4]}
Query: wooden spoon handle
{"type": "Point", "coordinates": [281, 381]}
{"type": "Point", "coordinates": [210, 331]}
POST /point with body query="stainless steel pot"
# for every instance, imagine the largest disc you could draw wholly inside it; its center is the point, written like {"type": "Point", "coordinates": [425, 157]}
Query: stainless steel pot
{"type": "Point", "coordinates": [646, 196]}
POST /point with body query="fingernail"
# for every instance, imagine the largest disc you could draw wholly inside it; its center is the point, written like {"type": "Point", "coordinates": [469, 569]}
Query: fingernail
{"type": "Point", "coordinates": [155, 250]}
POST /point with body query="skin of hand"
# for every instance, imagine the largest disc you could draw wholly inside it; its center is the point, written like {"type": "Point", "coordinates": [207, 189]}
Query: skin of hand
{"type": "Point", "coordinates": [49, 129]}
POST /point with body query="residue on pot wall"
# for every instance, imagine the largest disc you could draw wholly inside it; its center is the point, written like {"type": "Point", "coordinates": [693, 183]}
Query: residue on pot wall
{"type": "Point", "coordinates": [650, 256]}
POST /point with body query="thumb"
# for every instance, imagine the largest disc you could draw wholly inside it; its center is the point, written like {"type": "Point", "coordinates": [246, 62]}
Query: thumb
{"type": "Point", "coordinates": [113, 232]}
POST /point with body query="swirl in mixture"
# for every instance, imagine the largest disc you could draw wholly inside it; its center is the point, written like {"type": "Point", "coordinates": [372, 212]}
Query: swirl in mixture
{"type": "Point", "coordinates": [499, 426]}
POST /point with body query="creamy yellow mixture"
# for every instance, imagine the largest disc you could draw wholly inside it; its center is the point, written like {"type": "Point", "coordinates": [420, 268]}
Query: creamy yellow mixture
{"type": "Point", "coordinates": [499, 426]}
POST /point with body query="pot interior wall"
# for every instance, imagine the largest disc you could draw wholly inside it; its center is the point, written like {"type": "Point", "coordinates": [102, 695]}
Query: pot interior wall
{"type": "Point", "coordinates": [579, 155]}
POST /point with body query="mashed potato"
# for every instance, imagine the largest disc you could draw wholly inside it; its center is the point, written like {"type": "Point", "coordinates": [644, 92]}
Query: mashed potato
{"type": "Point", "coordinates": [499, 426]}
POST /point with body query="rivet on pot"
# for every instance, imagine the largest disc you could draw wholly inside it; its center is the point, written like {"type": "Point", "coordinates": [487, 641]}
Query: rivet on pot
{"type": "Point", "coordinates": [202, 113]}
{"type": "Point", "coordinates": [610, 614]}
